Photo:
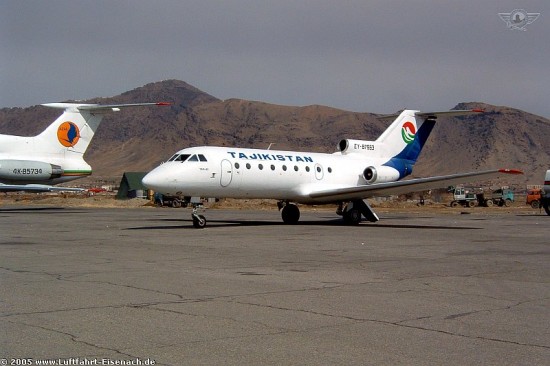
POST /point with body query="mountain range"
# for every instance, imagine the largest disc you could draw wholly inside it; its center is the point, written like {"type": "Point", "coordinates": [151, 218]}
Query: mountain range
{"type": "Point", "coordinates": [138, 139]}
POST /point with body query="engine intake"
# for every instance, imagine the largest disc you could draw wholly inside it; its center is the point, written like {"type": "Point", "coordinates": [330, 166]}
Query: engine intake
{"type": "Point", "coordinates": [380, 174]}
{"type": "Point", "coordinates": [347, 146]}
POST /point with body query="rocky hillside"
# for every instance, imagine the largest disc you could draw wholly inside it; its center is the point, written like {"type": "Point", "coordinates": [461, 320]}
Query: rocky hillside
{"type": "Point", "coordinates": [138, 139]}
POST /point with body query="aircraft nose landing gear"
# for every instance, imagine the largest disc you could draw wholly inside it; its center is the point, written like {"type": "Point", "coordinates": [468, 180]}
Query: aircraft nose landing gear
{"type": "Point", "coordinates": [199, 221]}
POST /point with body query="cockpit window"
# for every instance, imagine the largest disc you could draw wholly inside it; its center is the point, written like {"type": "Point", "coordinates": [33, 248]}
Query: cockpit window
{"type": "Point", "coordinates": [187, 157]}
{"type": "Point", "coordinates": [179, 157]}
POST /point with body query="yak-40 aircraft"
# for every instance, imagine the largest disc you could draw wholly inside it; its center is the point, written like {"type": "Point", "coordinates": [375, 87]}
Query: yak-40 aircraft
{"type": "Point", "coordinates": [56, 155]}
{"type": "Point", "coordinates": [359, 170]}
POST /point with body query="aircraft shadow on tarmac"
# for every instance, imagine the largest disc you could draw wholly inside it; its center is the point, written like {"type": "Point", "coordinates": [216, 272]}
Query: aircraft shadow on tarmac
{"type": "Point", "coordinates": [40, 210]}
{"type": "Point", "coordinates": [212, 223]}
{"type": "Point", "coordinates": [31, 209]}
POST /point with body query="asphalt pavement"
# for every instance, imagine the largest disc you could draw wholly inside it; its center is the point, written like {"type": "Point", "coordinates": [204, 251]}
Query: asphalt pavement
{"type": "Point", "coordinates": [142, 285]}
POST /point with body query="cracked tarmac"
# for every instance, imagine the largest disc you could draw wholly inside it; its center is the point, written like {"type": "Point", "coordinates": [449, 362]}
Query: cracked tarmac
{"type": "Point", "coordinates": [142, 283]}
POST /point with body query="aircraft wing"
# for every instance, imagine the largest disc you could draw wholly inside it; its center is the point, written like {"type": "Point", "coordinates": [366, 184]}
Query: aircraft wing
{"type": "Point", "coordinates": [405, 186]}
{"type": "Point", "coordinates": [36, 188]}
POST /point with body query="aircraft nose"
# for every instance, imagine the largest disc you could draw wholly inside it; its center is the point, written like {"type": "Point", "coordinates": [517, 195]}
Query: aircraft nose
{"type": "Point", "coordinates": [152, 180]}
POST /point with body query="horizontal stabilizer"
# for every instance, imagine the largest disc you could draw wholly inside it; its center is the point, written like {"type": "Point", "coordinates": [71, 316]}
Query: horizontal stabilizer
{"type": "Point", "coordinates": [100, 107]}
{"type": "Point", "coordinates": [458, 112]}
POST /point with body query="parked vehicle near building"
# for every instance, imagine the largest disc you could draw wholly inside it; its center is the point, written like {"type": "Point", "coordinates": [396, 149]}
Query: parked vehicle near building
{"type": "Point", "coordinates": [545, 194]}
{"type": "Point", "coordinates": [500, 197]}
{"type": "Point", "coordinates": [463, 196]}
{"type": "Point", "coordinates": [533, 197]}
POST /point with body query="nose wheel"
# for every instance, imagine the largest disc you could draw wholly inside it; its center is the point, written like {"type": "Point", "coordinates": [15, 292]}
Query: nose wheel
{"type": "Point", "coordinates": [199, 221]}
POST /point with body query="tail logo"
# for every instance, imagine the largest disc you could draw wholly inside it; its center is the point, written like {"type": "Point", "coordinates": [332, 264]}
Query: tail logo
{"type": "Point", "coordinates": [408, 131]}
{"type": "Point", "coordinates": [68, 134]}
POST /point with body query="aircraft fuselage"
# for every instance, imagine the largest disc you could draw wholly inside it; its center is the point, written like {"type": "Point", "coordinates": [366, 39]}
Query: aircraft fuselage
{"type": "Point", "coordinates": [23, 162]}
{"type": "Point", "coordinates": [253, 173]}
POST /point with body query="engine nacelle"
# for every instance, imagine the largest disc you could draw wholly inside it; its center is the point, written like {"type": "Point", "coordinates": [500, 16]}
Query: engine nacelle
{"type": "Point", "coordinates": [380, 174]}
{"type": "Point", "coordinates": [28, 170]}
{"type": "Point", "coordinates": [355, 146]}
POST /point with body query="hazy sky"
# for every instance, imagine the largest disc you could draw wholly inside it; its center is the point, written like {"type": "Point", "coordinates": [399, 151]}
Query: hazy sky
{"type": "Point", "coordinates": [368, 56]}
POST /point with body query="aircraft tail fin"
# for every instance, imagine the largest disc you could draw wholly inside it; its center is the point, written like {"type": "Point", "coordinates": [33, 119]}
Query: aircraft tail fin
{"type": "Point", "coordinates": [406, 136]}
{"type": "Point", "coordinates": [73, 131]}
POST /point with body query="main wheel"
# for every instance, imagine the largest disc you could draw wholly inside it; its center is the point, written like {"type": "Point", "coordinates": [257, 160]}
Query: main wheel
{"type": "Point", "coordinates": [290, 214]}
{"type": "Point", "coordinates": [199, 221]}
{"type": "Point", "coordinates": [352, 217]}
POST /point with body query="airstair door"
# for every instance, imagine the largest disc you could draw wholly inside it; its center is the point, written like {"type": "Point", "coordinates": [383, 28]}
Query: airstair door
{"type": "Point", "coordinates": [226, 173]}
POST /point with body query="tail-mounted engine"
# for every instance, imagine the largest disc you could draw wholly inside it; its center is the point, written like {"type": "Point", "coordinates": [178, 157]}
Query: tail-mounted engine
{"type": "Point", "coordinates": [380, 174]}
{"type": "Point", "coordinates": [28, 170]}
{"type": "Point", "coordinates": [348, 146]}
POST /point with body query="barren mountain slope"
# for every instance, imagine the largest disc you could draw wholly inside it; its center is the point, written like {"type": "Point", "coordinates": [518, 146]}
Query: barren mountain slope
{"type": "Point", "coordinates": [139, 138]}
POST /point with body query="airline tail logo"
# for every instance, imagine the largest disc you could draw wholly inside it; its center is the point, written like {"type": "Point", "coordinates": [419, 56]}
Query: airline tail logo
{"type": "Point", "coordinates": [408, 131]}
{"type": "Point", "coordinates": [68, 134]}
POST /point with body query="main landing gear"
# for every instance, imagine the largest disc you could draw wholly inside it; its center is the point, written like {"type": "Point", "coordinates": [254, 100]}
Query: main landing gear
{"type": "Point", "coordinates": [353, 211]}
{"type": "Point", "coordinates": [290, 212]}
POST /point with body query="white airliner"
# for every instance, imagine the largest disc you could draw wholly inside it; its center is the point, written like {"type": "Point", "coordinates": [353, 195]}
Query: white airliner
{"type": "Point", "coordinates": [55, 155]}
{"type": "Point", "coordinates": [359, 170]}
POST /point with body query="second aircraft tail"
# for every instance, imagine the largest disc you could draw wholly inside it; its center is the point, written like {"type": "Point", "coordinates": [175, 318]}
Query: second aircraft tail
{"type": "Point", "coordinates": [72, 132]}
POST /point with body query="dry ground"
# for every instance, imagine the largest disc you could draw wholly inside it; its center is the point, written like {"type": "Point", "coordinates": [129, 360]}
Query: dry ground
{"type": "Point", "coordinates": [107, 200]}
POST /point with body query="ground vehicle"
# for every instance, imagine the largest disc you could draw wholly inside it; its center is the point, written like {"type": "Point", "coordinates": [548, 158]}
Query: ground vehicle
{"type": "Point", "coordinates": [538, 198]}
{"type": "Point", "coordinates": [533, 197]}
{"type": "Point", "coordinates": [500, 197]}
{"type": "Point", "coordinates": [545, 195]}
{"type": "Point", "coordinates": [463, 196]}
{"type": "Point", "coordinates": [171, 201]}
